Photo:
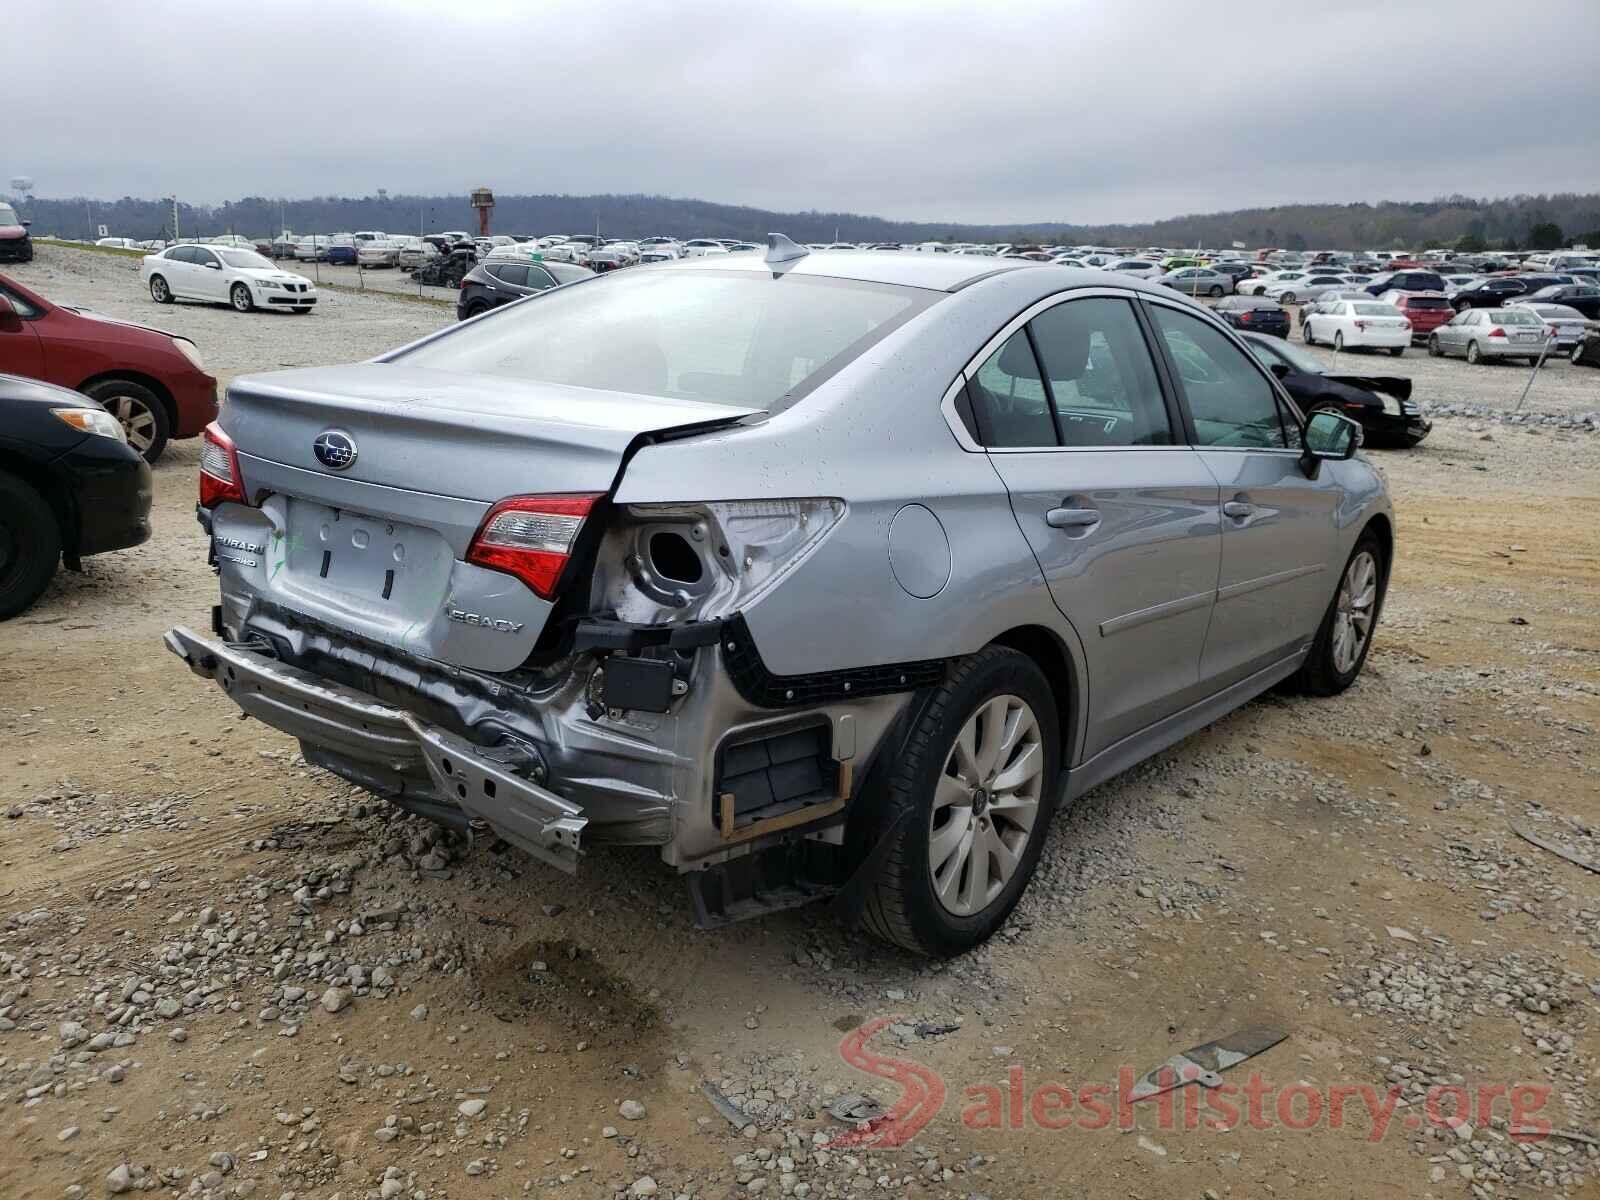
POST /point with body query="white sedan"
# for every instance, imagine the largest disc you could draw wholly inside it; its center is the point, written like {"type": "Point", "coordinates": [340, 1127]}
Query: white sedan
{"type": "Point", "coordinates": [1347, 324]}
{"type": "Point", "coordinates": [225, 275]}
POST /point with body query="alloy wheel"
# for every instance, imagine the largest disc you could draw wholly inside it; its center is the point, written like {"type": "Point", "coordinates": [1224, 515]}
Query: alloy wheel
{"type": "Point", "coordinates": [1353, 612]}
{"type": "Point", "coordinates": [985, 805]}
{"type": "Point", "coordinates": [136, 419]}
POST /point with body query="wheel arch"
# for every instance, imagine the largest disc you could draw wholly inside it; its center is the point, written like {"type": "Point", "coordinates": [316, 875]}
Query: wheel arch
{"type": "Point", "coordinates": [1052, 657]}
{"type": "Point", "coordinates": [122, 374]}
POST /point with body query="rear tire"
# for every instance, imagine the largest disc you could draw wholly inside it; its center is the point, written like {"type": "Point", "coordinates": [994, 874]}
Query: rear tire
{"type": "Point", "coordinates": [1338, 341]}
{"type": "Point", "coordinates": [30, 545]}
{"type": "Point", "coordinates": [1335, 660]}
{"type": "Point", "coordinates": [159, 291]}
{"type": "Point", "coordinates": [1474, 356]}
{"type": "Point", "coordinates": [994, 718]}
{"type": "Point", "coordinates": [1286, 298]}
{"type": "Point", "coordinates": [1216, 291]}
{"type": "Point", "coordinates": [138, 410]}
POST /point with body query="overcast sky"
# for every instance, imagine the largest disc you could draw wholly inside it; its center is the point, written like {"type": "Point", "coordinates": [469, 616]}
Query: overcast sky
{"type": "Point", "coordinates": [1113, 110]}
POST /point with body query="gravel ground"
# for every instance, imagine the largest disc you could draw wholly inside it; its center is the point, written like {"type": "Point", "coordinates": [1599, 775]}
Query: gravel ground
{"type": "Point", "coordinates": [343, 327]}
{"type": "Point", "coordinates": [225, 973]}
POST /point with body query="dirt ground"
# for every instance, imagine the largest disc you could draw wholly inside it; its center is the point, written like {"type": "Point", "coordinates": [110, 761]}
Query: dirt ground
{"type": "Point", "coordinates": [183, 901]}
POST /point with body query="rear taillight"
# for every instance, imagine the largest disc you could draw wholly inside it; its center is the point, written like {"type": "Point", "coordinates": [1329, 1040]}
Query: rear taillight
{"type": "Point", "coordinates": [1497, 332]}
{"type": "Point", "coordinates": [1361, 324]}
{"type": "Point", "coordinates": [220, 479]}
{"type": "Point", "coordinates": [531, 537]}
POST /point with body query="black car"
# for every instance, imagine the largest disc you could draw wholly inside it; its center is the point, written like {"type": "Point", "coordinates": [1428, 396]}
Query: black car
{"type": "Point", "coordinates": [449, 269]}
{"type": "Point", "coordinates": [70, 486]}
{"type": "Point", "coordinates": [491, 284]}
{"type": "Point", "coordinates": [1255, 313]}
{"type": "Point", "coordinates": [1587, 352]}
{"type": "Point", "coordinates": [1382, 404]}
{"type": "Point", "coordinates": [1585, 297]}
{"type": "Point", "coordinates": [1405, 281]}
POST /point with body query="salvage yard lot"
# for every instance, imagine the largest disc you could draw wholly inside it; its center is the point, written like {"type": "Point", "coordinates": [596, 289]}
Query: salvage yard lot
{"type": "Point", "coordinates": [1343, 870]}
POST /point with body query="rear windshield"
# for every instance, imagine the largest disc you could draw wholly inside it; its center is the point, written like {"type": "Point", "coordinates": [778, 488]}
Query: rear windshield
{"type": "Point", "coordinates": [1514, 317]}
{"type": "Point", "coordinates": [1376, 310]}
{"type": "Point", "coordinates": [1427, 302]}
{"type": "Point", "coordinates": [741, 338]}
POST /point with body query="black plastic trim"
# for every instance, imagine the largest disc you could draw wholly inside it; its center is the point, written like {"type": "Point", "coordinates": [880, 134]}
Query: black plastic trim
{"type": "Point", "coordinates": [757, 684]}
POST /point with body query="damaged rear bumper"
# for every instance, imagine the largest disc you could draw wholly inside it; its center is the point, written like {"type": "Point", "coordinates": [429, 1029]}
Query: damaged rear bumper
{"type": "Point", "coordinates": [390, 742]}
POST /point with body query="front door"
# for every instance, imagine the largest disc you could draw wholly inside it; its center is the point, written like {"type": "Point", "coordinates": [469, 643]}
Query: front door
{"type": "Point", "coordinates": [1121, 517]}
{"type": "Point", "coordinates": [207, 275]}
{"type": "Point", "coordinates": [1278, 525]}
{"type": "Point", "coordinates": [20, 352]}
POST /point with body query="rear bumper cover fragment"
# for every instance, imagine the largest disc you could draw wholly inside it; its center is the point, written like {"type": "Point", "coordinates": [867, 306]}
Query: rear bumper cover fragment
{"type": "Point", "coordinates": [544, 824]}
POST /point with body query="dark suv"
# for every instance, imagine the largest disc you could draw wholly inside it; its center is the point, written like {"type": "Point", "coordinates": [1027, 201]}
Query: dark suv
{"type": "Point", "coordinates": [15, 243]}
{"type": "Point", "coordinates": [1405, 281]}
{"type": "Point", "coordinates": [491, 284]}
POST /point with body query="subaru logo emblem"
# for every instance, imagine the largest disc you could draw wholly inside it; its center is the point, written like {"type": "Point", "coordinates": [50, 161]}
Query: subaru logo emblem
{"type": "Point", "coordinates": [335, 449]}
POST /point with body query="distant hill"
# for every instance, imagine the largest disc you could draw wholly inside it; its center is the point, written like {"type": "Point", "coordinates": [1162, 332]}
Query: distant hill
{"type": "Point", "coordinates": [1389, 224]}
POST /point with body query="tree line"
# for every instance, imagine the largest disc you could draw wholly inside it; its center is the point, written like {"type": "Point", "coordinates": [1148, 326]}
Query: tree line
{"type": "Point", "coordinates": [1515, 222]}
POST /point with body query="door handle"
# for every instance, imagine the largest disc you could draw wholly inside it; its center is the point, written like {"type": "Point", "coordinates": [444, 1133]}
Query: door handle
{"type": "Point", "coordinates": [1072, 518]}
{"type": "Point", "coordinates": [1238, 509]}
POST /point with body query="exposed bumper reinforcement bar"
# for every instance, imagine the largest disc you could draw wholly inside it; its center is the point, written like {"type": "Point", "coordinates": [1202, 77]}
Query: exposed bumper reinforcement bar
{"type": "Point", "coordinates": [357, 726]}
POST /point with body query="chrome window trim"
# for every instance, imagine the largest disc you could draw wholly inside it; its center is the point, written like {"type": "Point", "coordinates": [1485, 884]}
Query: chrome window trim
{"type": "Point", "coordinates": [948, 404]}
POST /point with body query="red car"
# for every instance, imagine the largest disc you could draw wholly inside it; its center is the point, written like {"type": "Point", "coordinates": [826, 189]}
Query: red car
{"type": "Point", "coordinates": [1426, 311]}
{"type": "Point", "coordinates": [154, 383]}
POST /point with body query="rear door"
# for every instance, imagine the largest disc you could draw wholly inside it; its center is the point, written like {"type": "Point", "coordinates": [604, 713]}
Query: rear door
{"type": "Point", "coordinates": [1121, 516]}
{"type": "Point", "coordinates": [1278, 533]}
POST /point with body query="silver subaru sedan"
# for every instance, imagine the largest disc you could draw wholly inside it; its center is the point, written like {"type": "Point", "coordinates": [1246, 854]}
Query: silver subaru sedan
{"type": "Point", "coordinates": [827, 574]}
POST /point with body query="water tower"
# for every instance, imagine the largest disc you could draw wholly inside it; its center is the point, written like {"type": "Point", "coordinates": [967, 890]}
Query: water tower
{"type": "Point", "coordinates": [483, 201]}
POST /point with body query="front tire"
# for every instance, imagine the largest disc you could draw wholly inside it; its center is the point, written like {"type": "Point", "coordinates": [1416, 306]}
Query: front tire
{"type": "Point", "coordinates": [1435, 350]}
{"type": "Point", "coordinates": [1286, 298]}
{"type": "Point", "coordinates": [138, 410]}
{"type": "Point", "coordinates": [159, 291]}
{"type": "Point", "coordinates": [967, 807]}
{"type": "Point", "coordinates": [239, 297]}
{"type": "Point", "coordinates": [1345, 636]}
{"type": "Point", "coordinates": [30, 545]}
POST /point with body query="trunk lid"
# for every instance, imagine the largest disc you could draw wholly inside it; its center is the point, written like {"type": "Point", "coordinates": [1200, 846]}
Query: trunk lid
{"type": "Point", "coordinates": [369, 536]}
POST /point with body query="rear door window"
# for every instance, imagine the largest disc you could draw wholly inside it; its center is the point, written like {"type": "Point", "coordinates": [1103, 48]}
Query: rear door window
{"type": "Point", "coordinates": [512, 273]}
{"type": "Point", "coordinates": [1100, 374]}
{"type": "Point", "coordinates": [1008, 397]}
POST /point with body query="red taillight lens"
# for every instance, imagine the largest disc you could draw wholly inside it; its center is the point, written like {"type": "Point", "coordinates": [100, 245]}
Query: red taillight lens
{"type": "Point", "coordinates": [220, 479]}
{"type": "Point", "coordinates": [1497, 332]}
{"type": "Point", "coordinates": [531, 537]}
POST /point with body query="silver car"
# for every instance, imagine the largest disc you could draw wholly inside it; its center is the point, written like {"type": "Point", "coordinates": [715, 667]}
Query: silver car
{"type": "Point", "coordinates": [1481, 335]}
{"type": "Point", "coordinates": [1196, 281]}
{"type": "Point", "coordinates": [1566, 325]}
{"type": "Point", "coordinates": [826, 574]}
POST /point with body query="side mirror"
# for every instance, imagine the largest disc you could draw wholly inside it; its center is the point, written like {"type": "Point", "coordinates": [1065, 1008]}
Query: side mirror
{"type": "Point", "coordinates": [25, 224]}
{"type": "Point", "coordinates": [213, 265]}
{"type": "Point", "coordinates": [1328, 436]}
{"type": "Point", "coordinates": [1280, 369]}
